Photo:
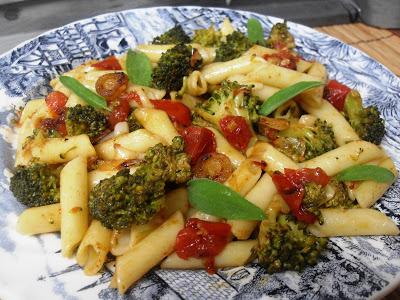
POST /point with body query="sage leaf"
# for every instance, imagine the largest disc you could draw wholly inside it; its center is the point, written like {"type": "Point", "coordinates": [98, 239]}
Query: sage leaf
{"type": "Point", "coordinates": [138, 67]}
{"type": "Point", "coordinates": [285, 95]}
{"type": "Point", "coordinates": [366, 172]}
{"type": "Point", "coordinates": [219, 200]}
{"type": "Point", "coordinates": [255, 32]}
{"type": "Point", "coordinates": [84, 93]}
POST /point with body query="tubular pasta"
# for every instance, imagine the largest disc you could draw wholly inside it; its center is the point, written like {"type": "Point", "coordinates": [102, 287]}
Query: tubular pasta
{"type": "Point", "coordinates": [74, 204]}
{"type": "Point", "coordinates": [235, 254]}
{"type": "Point", "coordinates": [351, 154]}
{"type": "Point", "coordinates": [132, 265]}
{"type": "Point", "coordinates": [342, 130]}
{"type": "Point", "coordinates": [92, 251]}
{"type": "Point", "coordinates": [42, 219]}
{"type": "Point", "coordinates": [368, 192]}
{"type": "Point", "coordinates": [244, 177]}
{"type": "Point", "coordinates": [196, 84]}
{"type": "Point", "coordinates": [353, 222]}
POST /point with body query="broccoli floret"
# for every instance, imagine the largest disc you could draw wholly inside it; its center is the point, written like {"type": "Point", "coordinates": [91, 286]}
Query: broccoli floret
{"type": "Point", "coordinates": [301, 142]}
{"type": "Point", "coordinates": [133, 123]}
{"type": "Point", "coordinates": [35, 185]}
{"type": "Point", "coordinates": [175, 35]}
{"type": "Point", "coordinates": [280, 37]}
{"type": "Point", "coordinates": [207, 37]}
{"type": "Point", "coordinates": [126, 198]}
{"type": "Point", "coordinates": [173, 65]}
{"type": "Point", "coordinates": [366, 121]}
{"type": "Point", "coordinates": [230, 99]}
{"type": "Point", "coordinates": [235, 45]}
{"type": "Point", "coordinates": [85, 120]}
{"type": "Point", "coordinates": [285, 244]}
{"type": "Point", "coordinates": [333, 195]}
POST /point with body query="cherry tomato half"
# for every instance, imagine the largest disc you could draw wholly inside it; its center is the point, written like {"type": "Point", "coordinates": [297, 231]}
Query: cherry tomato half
{"type": "Point", "coordinates": [198, 142]}
{"type": "Point", "coordinates": [336, 93]}
{"type": "Point", "coordinates": [236, 131]}
{"type": "Point", "coordinates": [109, 63]}
{"type": "Point", "coordinates": [56, 102]}
{"type": "Point", "coordinates": [177, 111]}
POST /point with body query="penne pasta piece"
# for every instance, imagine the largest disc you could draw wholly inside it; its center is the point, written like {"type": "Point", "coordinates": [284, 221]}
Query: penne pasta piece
{"type": "Point", "coordinates": [303, 65]}
{"type": "Point", "coordinates": [33, 112]}
{"type": "Point", "coordinates": [157, 122]}
{"type": "Point", "coordinates": [216, 72]}
{"type": "Point", "coordinates": [351, 154]}
{"type": "Point", "coordinates": [60, 150]}
{"type": "Point", "coordinates": [196, 85]}
{"type": "Point", "coordinates": [127, 146]}
{"type": "Point", "coordinates": [342, 130]}
{"type": "Point", "coordinates": [276, 161]}
{"type": "Point", "coordinates": [235, 254]}
{"type": "Point", "coordinates": [42, 219]}
{"type": "Point", "coordinates": [74, 204]}
{"type": "Point", "coordinates": [244, 177]}
{"type": "Point", "coordinates": [95, 176]}
{"type": "Point", "coordinates": [191, 101]}
{"type": "Point", "coordinates": [120, 241]}
{"type": "Point", "coordinates": [74, 100]}
{"type": "Point", "coordinates": [92, 251]}
{"type": "Point", "coordinates": [150, 93]}
{"type": "Point", "coordinates": [153, 52]}
{"type": "Point", "coordinates": [260, 195]}
{"type": "Point", "coordinates": [318, 70]}
{"type": "Point", "coordinates": [353, 222]}
{"type": "Point", "coordinates": [260, 90]}
{"type": "Point", "coordinates": [368, 192]}
{"type": "Point", "coordinates": [224, 147]}
{"type": "Point", "coordinates": [132, 265]}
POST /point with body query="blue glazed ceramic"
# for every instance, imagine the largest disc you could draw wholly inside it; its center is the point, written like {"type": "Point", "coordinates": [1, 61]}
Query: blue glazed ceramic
{"type": "Point", "coordinates": [32, 267]}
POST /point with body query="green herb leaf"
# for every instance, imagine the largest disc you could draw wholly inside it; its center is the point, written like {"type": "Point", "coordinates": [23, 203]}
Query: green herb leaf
{"type": "Point", "coordinates": [366, 172]}
{"type": "Point", "coordinates": [218, 200]}
{"type": "Point", "coordinates": [138, 67]}
{"type": "Point", "coordinates": [285, 95]}
{"type": "Point", "coordinates": [83, 92]}
{"type": "Point", "coordinates": [255, 31]}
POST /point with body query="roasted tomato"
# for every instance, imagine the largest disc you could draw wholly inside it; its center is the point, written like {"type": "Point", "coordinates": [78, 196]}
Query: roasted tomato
{"type": "Point", "coordinates": [120, 112]}
{"type": "Point", "coordinates": [177, 111]}
{"type": "Point", "coordinates": [236, 131]}
{"type": "Point", "coordinates": [109, 63]}
{"type": "Point", "coordinates": [56, 102]}
{"type": "Point", "coordinates": [336, 93]}
{"type": "Point", "coordinates": [215, 166]}
{"type": "Point", "coordinates": [112, 85]}
{"type": "Point", "coordinates": [202, 239]}
{"type": "Point", "coordinates": [198, 142]}
{"type": "Point", "coordinates": [283, 58]}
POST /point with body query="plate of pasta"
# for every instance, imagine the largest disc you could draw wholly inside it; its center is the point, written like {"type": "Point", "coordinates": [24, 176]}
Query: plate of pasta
{"type": "Point", "coordinates": [197, 153]}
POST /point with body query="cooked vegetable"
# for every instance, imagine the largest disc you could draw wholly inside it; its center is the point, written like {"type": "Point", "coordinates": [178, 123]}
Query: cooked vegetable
{"type": "Point", "coordinates": [284, 244]}
{"type": "Point", "coordinates": [35, 185]}
{"type": "Point", "coordinates": [336, 93]}
{"type": "Point", "coordinates": [285, 95]}
{"type": "Point", "coordinates": [219, 200]}
{"type": "Point", "coordinates": [176, 110]}
{"type": "Point", "coordinates": [366, 121]}
{"type": "Point", "coordinates": [138, 67]}
{"type": "Point", "coordinates": [207, 37]}
{"type": "Point", "coordinates": [255, 31]}
{"type": "Point", "coordinates": [109, 63]}
{"type": "Point", "coordinates": [235, 45]}
{"type": "Point", "coordinates": [125, 199]}
{"type": "Point", "coordinates": [85, 120]}
{"type": "Point", "coordinates": [173, 65]}
{"type": "Point", "coordinates": [81, 91]}
{"type": "Point", "coordinates": [237, 131]}
{"type": "Point", "coordinates": [111, 85]}
{"type": "Point", "coordinates": [366, 172]}
{"type": "Point", "coordinates": [301, 142]}
{"type": "Point", "coordinates": [175, 35]}
{"type": "Point", "coordinates": [214, 166]}
{"type": "Point", "coordinates": [280, 37]}
{"type": "Point", "coordinates": [231, 99]}
{"type": "Point", "coordinates": [199, 141]}
{"type": "Point", "coordinates": [56, 101]}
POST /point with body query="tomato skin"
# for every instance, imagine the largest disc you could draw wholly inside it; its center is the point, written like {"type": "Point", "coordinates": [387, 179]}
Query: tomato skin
{"type": "Point", "coordinates": [336, 93]}
{"type": "Point", "coordinates": [290, 185]}
{"type": "Point", "coordinates": [109, 63]}
{"type": "Point", "coordinates": [57, 124]}
{"type": "Point", "coordinates": [202, 239]}
{"type": "Point", "coordinates": [131, 96]}
{"type": "Point", "coordinates": [177, 111]}
{"type": "Point", "coordinates": [119, 113]}
{"type": "Point", "coordinates": [283, 58]}
{"type": "Point", "coordinates": [198, 142]}
{"type": "Point", "coordinates": [56, 101]}
{"type": "Point", "coordinates": [236, 131]}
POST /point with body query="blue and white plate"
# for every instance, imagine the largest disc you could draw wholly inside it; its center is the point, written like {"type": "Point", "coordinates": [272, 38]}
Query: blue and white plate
{"type": "Point", "coordinates": [32, 267]}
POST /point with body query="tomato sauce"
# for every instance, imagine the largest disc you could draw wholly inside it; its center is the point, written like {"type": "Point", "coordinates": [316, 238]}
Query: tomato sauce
{"type": "Point", "coordinates": [202, 239]}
